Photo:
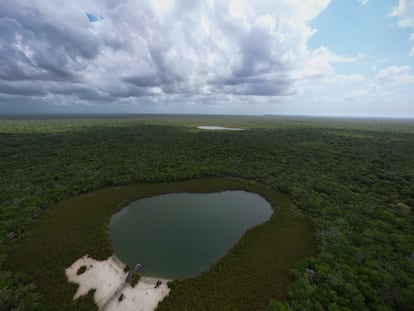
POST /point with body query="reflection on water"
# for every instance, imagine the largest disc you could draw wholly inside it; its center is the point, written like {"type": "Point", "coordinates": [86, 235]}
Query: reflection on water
{"type": "Point", "coordinates": [182, 234]}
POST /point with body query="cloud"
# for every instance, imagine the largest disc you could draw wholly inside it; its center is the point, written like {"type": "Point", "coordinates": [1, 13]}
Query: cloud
{"type": "Point", "coordinates": [329, 56]}
{"type": "Point", "coordinates": [354, 95]}
{"type": "Point", "coordinates": [177, 55]}
{"type": "Point", "coordinates": [363, 2]}
{"type": "Point", "coordinates": [318, 63]}
{"type": "Point", "coordinates": [412, 48]}
{"type": "Point", "coordinates": [395, 74]}
{"type": "Point", "coordinates": [149, 50]}
{"type": "Point", "coordinates": [404, 13]}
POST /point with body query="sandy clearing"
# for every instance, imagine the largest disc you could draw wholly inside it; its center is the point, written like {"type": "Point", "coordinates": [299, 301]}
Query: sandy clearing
{"type": "Point", "coordinates": [142, 297]}
{"type": "Point", "coordinates": [107, 277]}
{"type": "Point", "coordinates": [216, 128]}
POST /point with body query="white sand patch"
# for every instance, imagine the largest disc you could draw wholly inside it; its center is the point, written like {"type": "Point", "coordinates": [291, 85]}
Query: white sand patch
{"type": "Point", "coordinates": [107, 277]}
{"type": "Point", "coordinates": [144, 296]}
{"type": "Point", "coordinates": [217, 128]}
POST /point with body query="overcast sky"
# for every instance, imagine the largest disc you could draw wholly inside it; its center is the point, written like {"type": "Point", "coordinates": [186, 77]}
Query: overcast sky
{"type": "Point", "coordinates": [313, 57]}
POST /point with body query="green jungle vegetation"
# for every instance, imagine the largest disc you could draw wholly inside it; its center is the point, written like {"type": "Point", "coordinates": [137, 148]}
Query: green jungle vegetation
{"type": "Point", "coordinates": [79, 225]}
{"type": "Point", "coordinates": [353, 179]}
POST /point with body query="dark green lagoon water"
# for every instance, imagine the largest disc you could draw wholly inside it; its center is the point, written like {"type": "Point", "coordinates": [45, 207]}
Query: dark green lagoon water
{"type": "Point", "coordinates": [181, 234]}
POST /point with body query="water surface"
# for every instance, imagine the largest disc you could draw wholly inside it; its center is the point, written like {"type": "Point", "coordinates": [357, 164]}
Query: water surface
{"type": "Point", "coordinates": [217, 128]}
{"type": "Point", "coordinates": [181, 234]}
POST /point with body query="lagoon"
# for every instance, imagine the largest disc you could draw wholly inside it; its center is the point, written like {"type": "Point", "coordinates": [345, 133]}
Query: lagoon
{"type": "Point", "coordinates": [218, 128]}
{"type": "Point", "coordinates": [178, 235]}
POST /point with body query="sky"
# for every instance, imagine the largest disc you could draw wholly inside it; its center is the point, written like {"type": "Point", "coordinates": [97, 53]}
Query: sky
{"type": "Point", "coordinates": [314, 57]}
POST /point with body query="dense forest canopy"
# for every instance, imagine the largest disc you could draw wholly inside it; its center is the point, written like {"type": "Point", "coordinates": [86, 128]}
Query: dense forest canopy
{"type": "Point", "coordinates": [354, 179]}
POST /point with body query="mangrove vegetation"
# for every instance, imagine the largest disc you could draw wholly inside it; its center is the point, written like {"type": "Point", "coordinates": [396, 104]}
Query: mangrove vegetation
{"type": "Point", "coordinates": [348, 183]}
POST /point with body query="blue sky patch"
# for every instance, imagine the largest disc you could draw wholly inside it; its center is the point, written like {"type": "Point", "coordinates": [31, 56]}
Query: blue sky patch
{"type": "Point", "coordinates": [350, 29]}
{"type": "Point", "coordinates": [93, 18]}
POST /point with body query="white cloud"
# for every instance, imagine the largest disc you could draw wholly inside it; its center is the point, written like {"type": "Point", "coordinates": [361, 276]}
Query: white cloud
{"type": "Point", "coordinates": [177, 56]}
{"type": "Point", "coordinates": [363, 2]}
{"type": "Point", "coordinates": [352, 95]}
{"type": "Point", "coordinates": [395, 74]}
{"type": "Point", "coordinates": [330, 57]}
{"type": "Point", "coordinates": [318, 63]}
{"type": "Point", "coordinates": [412, 48]}
{"type": "Point", "coordinates": [404, 13]}
{"type": "Point", "coordinates": [159, 48]}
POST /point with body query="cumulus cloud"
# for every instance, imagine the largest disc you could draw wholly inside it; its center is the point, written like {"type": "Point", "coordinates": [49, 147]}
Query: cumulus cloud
{"type": "Point", "coordinates": [110, 51]}
{"type": "Point", "coordinates": [174, 55]}
{"type": "Point", "coordinates": [404, 13]}
{"type": "Point", "coordinates": [395, 74]}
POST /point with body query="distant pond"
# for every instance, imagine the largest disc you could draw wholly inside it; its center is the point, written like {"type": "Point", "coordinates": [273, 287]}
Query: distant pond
{"type": "Point", "coordinates": [178, 235]}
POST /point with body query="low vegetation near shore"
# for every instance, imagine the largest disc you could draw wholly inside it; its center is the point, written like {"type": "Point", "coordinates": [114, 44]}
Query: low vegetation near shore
{"type": "Point", "coordinates": [258, 266]}
{"type": "Point", "coordinates": [353, 179]}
